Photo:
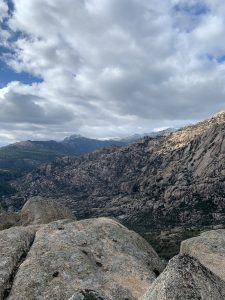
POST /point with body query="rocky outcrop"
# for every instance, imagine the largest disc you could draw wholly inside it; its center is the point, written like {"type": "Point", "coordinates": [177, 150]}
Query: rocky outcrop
{"type": "Point", "coordinates": [209, 249]}
{"type": "Point", "coordinates": [186, 279]}
{"type": "Point", "coordinates": [39, 210]}
{"type": "Point", "coordinates": [14, 246]}
{"type": "Point", "coordinates": [89, 259]}
{"type": "Point", "coordinates": [197, 273]}
{"type": "Point", "coordinates": [100, 259]}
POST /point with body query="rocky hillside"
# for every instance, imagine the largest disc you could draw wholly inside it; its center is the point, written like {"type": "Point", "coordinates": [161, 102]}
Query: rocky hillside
{"type": "Point", "coordinates": [135, 137]}
{"type": "Point", "coordinates": [20, 158]}
{"type": "Point", "coordinates": [155, 184]}
{"type": "Point", "coordinates": [161, 178]}
{"type": "Point", "coordinates": [25, 156]}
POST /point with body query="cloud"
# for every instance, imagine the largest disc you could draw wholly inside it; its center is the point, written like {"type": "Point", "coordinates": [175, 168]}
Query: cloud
{"type": "Point", "coordinates": [21, 107]}
{"type": "Point", "coordinates": [3, 10]}
{"type": "Point", "coordinates": [113, 67]}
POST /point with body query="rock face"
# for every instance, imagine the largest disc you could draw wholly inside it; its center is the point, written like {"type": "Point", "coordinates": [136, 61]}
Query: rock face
{"type": "Point", "coordinates": [9, 219]}
{"type": "Point", "coordinates": [14, 246]}
{"type": "Point", "coordinates": [100, 259]}
{"type": "Point", "coordinates": [38, 210]}
{"type": "Point", "coordinates": [186, 279]}
{"type": "Point", "coordinates": [209, 249]}
{"type": "Point", "coordinates": [89, 259]}
{"type": "Point", "coordinates": [157, 183]}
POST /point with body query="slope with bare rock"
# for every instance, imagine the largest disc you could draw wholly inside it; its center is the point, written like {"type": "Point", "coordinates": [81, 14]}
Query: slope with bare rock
{"type": "Point", "coordinates": [155, 184]}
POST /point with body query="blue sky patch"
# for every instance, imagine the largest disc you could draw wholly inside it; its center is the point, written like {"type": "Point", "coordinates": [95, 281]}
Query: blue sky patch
{"type": "Point", "coordinates": [221, 59]}
{"type": "Point", "coordinates": [210, 57]}
{"type": "Point", "coordinates": [7, 75]}
{"type": "Point", "coordinates": [10, 6]}
{"type": "Point", "coordinates": [192, 9]}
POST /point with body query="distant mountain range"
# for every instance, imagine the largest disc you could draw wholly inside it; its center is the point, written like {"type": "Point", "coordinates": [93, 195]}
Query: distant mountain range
{"type": "Point", "coordinates": [134, 138]}
{"type": "Point", "coordinates": [22, 157]}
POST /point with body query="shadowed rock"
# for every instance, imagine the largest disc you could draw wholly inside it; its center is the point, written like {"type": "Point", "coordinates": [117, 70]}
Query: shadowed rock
{"type": "Point", "coordinates": [86, 295]}
{"type": "Point", "coordinates": [209, 249]}
{"type": "Point", "coordinates": [8, 219]}
{"type": "Point", "coordinates": [186, 279]}
{"type": "Point", "coordinates": [98, 255]}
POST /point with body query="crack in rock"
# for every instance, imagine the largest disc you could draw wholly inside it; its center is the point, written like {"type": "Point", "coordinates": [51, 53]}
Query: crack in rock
{"type": "Point", "coordinates": [22, 258]}
{"type": "Point", "coordinates": [15, 244]}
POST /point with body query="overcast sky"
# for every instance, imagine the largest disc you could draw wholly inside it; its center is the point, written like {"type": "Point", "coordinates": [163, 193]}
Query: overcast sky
{"type": "Point", "coordinates": [107, 68]}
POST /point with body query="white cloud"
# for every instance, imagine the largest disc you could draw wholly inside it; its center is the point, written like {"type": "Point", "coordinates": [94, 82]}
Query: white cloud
{"type": "Point", "coordinates": [3, 10]}
{"type": "Point", "coordinates": [111, 66]}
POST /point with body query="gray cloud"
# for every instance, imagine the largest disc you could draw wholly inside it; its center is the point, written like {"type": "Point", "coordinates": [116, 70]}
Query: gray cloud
{"type": "Point", "coordinates": [113, 67]}
{"type": "Point", "coordinates": [27, 108]}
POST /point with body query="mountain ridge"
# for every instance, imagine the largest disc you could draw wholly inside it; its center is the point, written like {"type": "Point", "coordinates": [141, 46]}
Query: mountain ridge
{"type": "Point", "coordinates": [173, 183]}
{"type": "Point", "coordinates": [153, 170]}
{"type": "Point", "coordinates": [22, 157]}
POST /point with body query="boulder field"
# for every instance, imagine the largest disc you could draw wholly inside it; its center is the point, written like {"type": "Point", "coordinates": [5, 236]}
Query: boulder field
{"type": "Point", "coordinates": [100, 259]}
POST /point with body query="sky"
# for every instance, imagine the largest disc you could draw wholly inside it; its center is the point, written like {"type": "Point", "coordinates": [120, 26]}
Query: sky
{"type": "Point", "coordinates": [108, 68]}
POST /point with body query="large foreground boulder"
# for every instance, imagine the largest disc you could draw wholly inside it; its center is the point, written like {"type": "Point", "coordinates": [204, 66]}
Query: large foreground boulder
{"type": "Point", "coordinates": [209, 249]}
{"type": "Point", "coordinates": [14, 246]}
{"type": "Point", "coordinates": [89, 259]}
{"type": "Point", "coordinates": [186, 279]}
{"type": "Point", "coordinates": [39, 210]}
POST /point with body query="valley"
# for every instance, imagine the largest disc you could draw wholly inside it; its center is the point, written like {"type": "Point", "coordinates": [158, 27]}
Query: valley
{"type": "Point", "coordinates": [155, 184]}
